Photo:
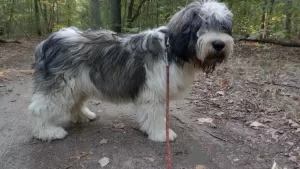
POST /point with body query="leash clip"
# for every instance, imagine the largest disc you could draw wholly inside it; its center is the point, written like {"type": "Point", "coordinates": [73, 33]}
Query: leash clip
{"type": "Point", "coordinates": [166, 57]}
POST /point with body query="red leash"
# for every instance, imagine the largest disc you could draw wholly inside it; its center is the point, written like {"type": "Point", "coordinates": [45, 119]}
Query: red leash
{"type": "Point", "coordinates": [167, 118]}
{"type": "Point", "coordinates": [167, 104]}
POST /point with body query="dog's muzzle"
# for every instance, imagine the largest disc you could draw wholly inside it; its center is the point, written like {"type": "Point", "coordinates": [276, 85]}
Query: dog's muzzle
{"type": "Point", "coordinates": [216, 55]}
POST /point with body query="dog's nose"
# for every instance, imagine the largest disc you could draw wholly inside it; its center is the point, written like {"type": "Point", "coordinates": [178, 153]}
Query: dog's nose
{"type": "Point", "coordinates": [218, 45]}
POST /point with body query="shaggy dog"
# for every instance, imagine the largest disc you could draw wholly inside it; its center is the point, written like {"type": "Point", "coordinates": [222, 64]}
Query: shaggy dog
{"type": "Point", "coordinates": [72, 66]}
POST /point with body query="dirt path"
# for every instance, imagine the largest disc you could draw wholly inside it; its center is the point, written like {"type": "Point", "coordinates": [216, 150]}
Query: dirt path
{"type": "Point", "coordinates": [261, 88]}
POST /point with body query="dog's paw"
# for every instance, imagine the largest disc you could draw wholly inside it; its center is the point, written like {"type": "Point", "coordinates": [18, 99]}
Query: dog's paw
{"type": "Point", "coordinates": [89, 114]}
{"type": "Point", "coordinates": [50, 133]}
{"type": "Point", "coordinates": [161, 136]}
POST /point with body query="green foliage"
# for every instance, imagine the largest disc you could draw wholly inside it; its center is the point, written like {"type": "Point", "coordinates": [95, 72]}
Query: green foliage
{"type": "Point", "coordinates": [272, 19]}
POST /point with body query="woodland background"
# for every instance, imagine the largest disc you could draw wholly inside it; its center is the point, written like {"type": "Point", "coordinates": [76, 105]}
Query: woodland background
{"type": "Point", "coordinates": [254, 19]}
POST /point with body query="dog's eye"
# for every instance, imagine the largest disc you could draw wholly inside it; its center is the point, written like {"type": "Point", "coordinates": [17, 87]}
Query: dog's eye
{"type": "Point", "coordinates": [226, 30]}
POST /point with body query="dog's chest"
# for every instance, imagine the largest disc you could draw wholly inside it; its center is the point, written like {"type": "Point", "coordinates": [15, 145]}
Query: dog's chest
{"type": "Point", "coordinates": [181, 80]}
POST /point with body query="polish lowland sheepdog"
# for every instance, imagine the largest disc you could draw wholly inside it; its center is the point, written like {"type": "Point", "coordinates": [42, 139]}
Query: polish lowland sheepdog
{"type": "Point", "coordinates": [72, 66]}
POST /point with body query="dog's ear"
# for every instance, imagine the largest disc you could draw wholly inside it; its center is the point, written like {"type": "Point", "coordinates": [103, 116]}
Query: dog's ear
{"type": "Point", "coordinates": [183, 32]}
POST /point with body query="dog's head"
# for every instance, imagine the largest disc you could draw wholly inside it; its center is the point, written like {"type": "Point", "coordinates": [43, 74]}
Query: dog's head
{"type": "Point", "coordinates": [201, 33]}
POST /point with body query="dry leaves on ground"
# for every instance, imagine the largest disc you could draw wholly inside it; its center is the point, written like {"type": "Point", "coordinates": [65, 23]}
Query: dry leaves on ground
{"type": "Point", "coordinates": [256, 125]}
{"type": "Point", "coordinates": [199, 167]}
{"type": "Point", "coordinates": [104, 161]}
{"type": "Point", "coordinates": [103, 141]}
{"type": "Point", "coordinates": [149, 159]}
{"type": "Point", "coordinates": [119, 126]}
{"type": "Point", "coordinates": [205, 120]}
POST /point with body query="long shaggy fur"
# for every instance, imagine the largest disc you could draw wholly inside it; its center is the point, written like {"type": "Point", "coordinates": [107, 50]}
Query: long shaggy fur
{"type": "Point", "coordinates": [72, 66]}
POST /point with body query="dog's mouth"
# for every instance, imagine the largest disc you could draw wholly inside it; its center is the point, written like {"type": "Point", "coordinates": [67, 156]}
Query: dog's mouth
{"type": "Point", "coordinates": [209, 64]}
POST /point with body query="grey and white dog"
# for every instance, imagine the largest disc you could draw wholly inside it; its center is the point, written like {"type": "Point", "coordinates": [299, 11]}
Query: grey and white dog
{"type": "Point", "coordinates": [72, 66]}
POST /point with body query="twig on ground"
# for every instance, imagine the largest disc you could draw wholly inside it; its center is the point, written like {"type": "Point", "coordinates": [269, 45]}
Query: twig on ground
{"type": "Point", "coordinates": [9, 41]}
{"type": "Point", "coordinates": [219, 138]}
{"type": "Point", "coordinates": [283, 85]}
{"type": "Point", "coordinates": [178, 119]}
{"type": "Point", "coordinates": [275, 84]}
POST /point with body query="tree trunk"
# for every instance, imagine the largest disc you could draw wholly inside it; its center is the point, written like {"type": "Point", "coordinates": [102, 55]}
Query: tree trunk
{"type": "Point", "coordinates": [130, 12]}
{"type": "Point", "coordinates": [52, 17]}
{"type": "Point", "coordinates": [288, 23]}
{"type": "Point", "coordinates": [269, 17]}
{"type": "Point", "coordinates": [263, 19]}
{"type": "Point", "coordinates": [125, 12]}
{"type": "Point", "coordinates": [116, 15]}
{"type": "Point", "coordinates": [45, 16]}
{"type": "Point", "coordinates": [57, 13]}
{"type": "Point", "coordinates": [137, 13]}
{"type": "Point", "coordinates": [95, 14]}
{"type": "Point", "coordinates": [157, 13]}
{"type": "Point", "coordinates": [8, 24]}
{"type": "Point", "coordinates": [69, 12]}
{"type": "Point", "coordinates": [131, 18]}
{"type": "Point", "coordinates": [37, 18]}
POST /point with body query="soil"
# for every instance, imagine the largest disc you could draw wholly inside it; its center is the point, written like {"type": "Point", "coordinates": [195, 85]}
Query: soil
{"type": "Point", "coordinates": [243, 116]}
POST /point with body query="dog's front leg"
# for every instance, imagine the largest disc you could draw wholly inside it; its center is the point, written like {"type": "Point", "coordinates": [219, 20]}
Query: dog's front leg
{"type": "Point", "coordinates": [151, 117]}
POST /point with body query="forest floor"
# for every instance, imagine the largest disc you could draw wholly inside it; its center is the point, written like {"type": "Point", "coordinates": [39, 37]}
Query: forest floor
{"type": "Point", "coordinates": [246, 115]}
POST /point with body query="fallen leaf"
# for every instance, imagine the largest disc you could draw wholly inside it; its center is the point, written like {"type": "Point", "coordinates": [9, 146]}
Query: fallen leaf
{"type": "Point", "coordinates": [290, 143]}
{"type": "Point", "coordinates": [27, 72]}
{"type": "Point", "coordinates": [13, 100]}
{"type": "Point", "coordinates": [205, 120]}
{"type": "Point", "coordinates": [220, 113]}
{"type": "Point", "coordinates": [273, 133]}
{"type": "Point", "coordinates": [298, 130]}
{"type": "Point", "coordinates": [267, 120]}
{"type": "Point", "coordinates": [295, 159]}
{"type": "Point", "coordinates": [224, 83]}
{"type": "Point", "coordinates": [230, 101]}
{"type": "Point", "coordinates": [293, 124]}
{"type": "Point", "coordinates": [2, 85]}
{"type": "Point", "coordinates": [103, 141]}
{"type": "Point", "coordinates": [256, 125]}
{"type": "Point", "coordinates": [236, 159]}
{"type": "Point", "coordinates": [274, 165]}
{"type": "Point", "coordinates": [199, 167]}
{"type": "Point", "coordinates": [213, 99]}
{"type": "Point", "coordinates": [119, 126]}
{"type": "Point", "coordinates": [149, 159]}
{"type": "Point", "coordinates": [221, 93]}
{"type": "Point", "coordinates": [104, 161]}
{"type": "Point", "coordinates": [3, 74]}
{"type": "Point", "coordinates": [81, 155]}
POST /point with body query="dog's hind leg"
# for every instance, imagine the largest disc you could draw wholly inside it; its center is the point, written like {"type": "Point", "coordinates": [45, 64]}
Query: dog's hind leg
{"type": "Point", "coordinates": [80, 113]}
{"type": "Point", "coordinates": [46, 111]}
{"type": "Point", "coordinates": [152, 120]}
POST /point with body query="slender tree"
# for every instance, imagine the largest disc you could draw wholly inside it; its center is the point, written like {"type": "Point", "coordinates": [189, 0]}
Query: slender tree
{"type": "Point", "coordinates": [95, 14]}
{"type": "Point", "coordinates": [130, 17]}
{"type": "Point", "coordinates": [288, 22]}
{"type": "Point", "coordinates": [116, 15]}
{"type": "Point", "coordinates": [37, 18]}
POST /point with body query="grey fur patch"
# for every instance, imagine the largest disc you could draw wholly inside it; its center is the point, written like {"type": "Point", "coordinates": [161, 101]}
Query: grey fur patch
{"type": "Point", "coordinates": [116, 63]}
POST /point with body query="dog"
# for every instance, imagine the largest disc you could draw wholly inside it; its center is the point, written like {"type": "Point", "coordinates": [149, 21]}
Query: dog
{"type": "Point", "coordinates": [72, 66]}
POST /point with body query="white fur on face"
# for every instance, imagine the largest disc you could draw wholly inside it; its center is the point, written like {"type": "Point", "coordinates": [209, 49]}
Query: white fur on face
{"type": "Point", "coordinates": [204, 44]}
